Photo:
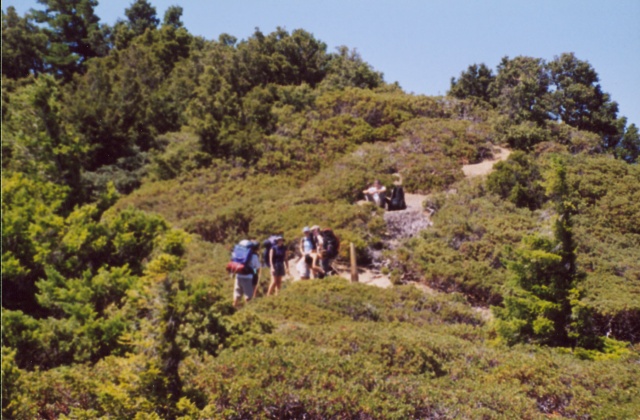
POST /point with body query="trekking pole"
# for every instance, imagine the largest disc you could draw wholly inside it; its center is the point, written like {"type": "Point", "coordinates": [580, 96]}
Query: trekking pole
{"type": "Point", "coordinates": [256, 287]}
{"type": "Point", "coordinates": [354, 266]}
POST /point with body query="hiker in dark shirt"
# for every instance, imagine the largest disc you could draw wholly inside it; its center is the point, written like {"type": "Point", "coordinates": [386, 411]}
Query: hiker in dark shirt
{"type": "Point", "coordinates": [328, 246]}
{"type": "Point", "coordinates": [279, 265]}
{"type": "Point", "coordinates": [397, 198]}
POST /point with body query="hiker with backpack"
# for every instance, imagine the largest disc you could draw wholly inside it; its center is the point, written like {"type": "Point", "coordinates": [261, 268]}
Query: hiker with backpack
{"type": "Point", "coordinates": [376, 194]}
{"type": "Point", "coordinates": [330, 250]}
{"type": "Point", "coordinates": [307, 242]}
{"type": "Point", "coordinates": [245, 264]}
{"type": "Point", "coordinates": [316, 237]}
{"type": "Point", "coordinates": [307, 247]}
{"type": "Point", "coordinates": [279, 265]}
{"type": "Point", "coordinates": [328, 245]}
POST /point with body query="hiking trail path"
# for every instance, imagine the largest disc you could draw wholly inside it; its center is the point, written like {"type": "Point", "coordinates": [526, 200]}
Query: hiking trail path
{"type": "Point", "coordinates": [486, 166]}
{"type": "Point", "coordinates": [403, 224]}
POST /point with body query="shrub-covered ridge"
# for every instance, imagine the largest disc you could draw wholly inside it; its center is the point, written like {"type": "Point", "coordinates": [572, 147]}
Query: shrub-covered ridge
{"type": "Point", "coordinates": [135, 156]}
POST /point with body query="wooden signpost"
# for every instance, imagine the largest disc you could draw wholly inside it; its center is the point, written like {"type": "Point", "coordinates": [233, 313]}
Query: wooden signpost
{"type": "Point", "coordinates": [354, 266]}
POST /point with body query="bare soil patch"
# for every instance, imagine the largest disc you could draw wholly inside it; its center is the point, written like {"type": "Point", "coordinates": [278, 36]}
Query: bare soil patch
{"type": "Point", "coordinates": [485, 167]}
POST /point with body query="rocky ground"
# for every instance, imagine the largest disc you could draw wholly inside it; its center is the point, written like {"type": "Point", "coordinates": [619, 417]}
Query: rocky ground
{"type": "Point", "coordinates": [404, 224]}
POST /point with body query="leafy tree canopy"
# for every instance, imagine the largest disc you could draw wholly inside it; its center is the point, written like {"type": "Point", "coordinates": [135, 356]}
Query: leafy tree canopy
{"type": "Point", "coordinates": [74, 33]}
{"type": "Point", "coordinates": [473, 83]}
{"type": "Point", "coordinates": [23, 45]}
{"type": "Point", "coordinates": [134, 157]}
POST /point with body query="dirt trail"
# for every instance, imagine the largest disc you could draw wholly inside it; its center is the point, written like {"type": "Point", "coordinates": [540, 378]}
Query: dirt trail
{"type": "Point", "coordinates": [404, 224]}
{"type": "Point", "coordinates": [401, 224]}
{"type": "Point", "coordinates": [368, 276]}
{"type": "Point", "coordinates": [486, 166]}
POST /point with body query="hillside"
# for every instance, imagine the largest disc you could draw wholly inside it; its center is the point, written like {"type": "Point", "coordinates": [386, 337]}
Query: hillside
{"type": "Point", "coordinates": [129, 172]}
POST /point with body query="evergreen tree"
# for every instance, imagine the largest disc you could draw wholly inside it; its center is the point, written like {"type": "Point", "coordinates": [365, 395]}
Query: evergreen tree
{"type": "Point", "coordinates": [538, 308]}
{"type": "Point", "coordinates": [142, 16]}
{"type": "Point", "coordinates": [521, 90]}
{"type": "Point", "coordinates": [74, 33]}
{"type": "Point", "coordinates": [23, 45]}
{"type": "Point", "coordinates": [346, 68]}
{"type": "Point", "coordinates": [473, 83]}
{"type": "Point", "coordinates": [629, 147]}
{"type": "Point", "coordinates": [172, 17]}
{"type": "Point", "coordinates": [579, 101]}
{"type": "Point", "coordinates": [38, 142]}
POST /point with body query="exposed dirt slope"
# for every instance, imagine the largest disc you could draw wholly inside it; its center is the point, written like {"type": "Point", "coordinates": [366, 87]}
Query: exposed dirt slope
{"type": "Point", "coordinates": [406, 223]}
{"type": "Point", "coordinates": [485, 167]}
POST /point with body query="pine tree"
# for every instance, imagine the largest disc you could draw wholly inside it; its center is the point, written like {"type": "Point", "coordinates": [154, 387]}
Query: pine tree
{"type": "Point", "coordinates": [23, 45]}
{"type": "Point", "coordinates": [74, 33]}
{"type": "Point", "coordinates": [538, 307]}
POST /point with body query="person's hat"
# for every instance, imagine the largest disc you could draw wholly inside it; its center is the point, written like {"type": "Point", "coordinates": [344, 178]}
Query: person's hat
{"type": "Point", "coordinates": [314, 227]}
{"type": "Point", "coordinates": [306, 229]}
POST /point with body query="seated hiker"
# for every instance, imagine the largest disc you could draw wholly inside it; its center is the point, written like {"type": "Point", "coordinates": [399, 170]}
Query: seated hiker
{"type": "Point", "coordinates": [397, 199]}
{"type": "Point", "coordinates": [376, 193]}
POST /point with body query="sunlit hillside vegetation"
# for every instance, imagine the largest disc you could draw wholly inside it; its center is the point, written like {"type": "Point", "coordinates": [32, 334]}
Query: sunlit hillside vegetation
{"type": "Point", "coordinates": [135, 156]}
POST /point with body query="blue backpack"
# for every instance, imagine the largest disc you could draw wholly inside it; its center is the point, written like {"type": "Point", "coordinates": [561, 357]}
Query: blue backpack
{"type": "Point", "coordinates": [240, 259]}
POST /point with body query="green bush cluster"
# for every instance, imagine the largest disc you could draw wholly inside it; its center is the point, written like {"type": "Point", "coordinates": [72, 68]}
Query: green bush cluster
{"type": "Point", "coordinates": [470, 246]}
{"type": "Point", "coordinates": [517, 180]}
{"type": "Point", "coordinates": [134, 159]}
{"type": "Point", "coordinates": [530, 94]}
{"type": "Point", "coordinates": [465, 249]}
{"type": "Point", "coordinates": [335, 353]}
{"type": "Point", "coordinates": [330, 348]}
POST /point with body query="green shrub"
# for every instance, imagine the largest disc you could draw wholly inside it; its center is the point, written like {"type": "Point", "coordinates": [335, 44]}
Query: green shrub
{"type": "Point", "coordinates": [525, 136]}
{"type": "Point", "coordinates": [517, 180]}
{"type": "Point", "coordinates": [180, 154]}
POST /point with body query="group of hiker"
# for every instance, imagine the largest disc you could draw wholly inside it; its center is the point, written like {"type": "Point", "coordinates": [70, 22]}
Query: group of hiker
{"type": "Point", "coordinates": [317, 249]}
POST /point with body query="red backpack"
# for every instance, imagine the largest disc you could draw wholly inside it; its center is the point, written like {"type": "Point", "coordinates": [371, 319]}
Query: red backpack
{"type": "Point", "coordinates": [240, 259]}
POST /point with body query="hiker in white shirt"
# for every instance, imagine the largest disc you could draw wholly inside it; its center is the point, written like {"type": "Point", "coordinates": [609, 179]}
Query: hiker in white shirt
{"type": "Point", "coordinates": [376, 193]}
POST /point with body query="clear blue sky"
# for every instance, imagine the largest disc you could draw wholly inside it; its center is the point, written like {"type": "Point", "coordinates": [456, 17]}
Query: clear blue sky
{"type": "Point", "coordinates": [422, 44]}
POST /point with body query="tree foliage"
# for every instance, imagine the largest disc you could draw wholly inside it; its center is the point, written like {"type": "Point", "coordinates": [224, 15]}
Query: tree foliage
{"type": "Point", "coordinates": [473, 83]}
{"type": "Point", "coordinates": [135, 156]}
{"type": "Point", "coordinates": [529, 93]}
{"type": "Point", "coordinates": [520, 90]}
{"type": "Point", "coordinates": [518, 181]}
{"type": "Point", "coordinates": [629, 147]}
{"type": "Point", "coordinates": [23, 45]}
{"type": "Point", "coordinates": [74, 33]}
{"type": "Point", "coordinates": [579, 101]}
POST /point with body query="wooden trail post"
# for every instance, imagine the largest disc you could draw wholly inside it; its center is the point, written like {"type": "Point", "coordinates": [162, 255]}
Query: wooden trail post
{"type": "Point", "coordinates": [354, 266]}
